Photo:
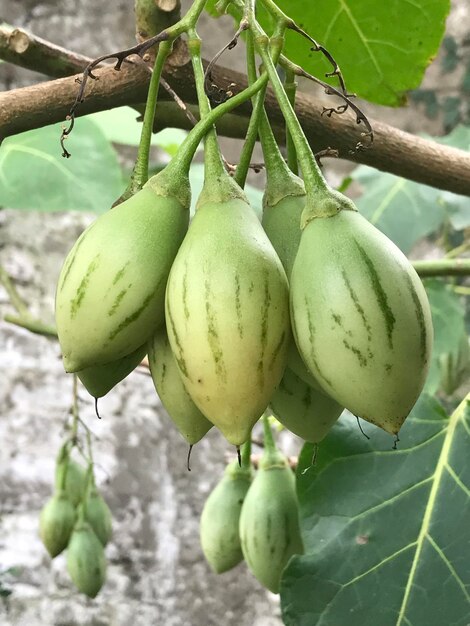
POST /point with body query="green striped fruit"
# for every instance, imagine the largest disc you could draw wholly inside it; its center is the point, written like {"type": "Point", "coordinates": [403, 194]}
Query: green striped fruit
{"type": "Point", "coordinates": [187, 418]}
{"type": "Point", "coordinates": [227, 316]}
{"type": "Point", "coordinates": [304, 410]}
{"type": "Point", "coordinates": [86, 562]}
{"type": "Point", "coordinates": [56, 523]}
{"type": "Point", "coordinates": [99, 379]}
{"type": "Point", "coordinates": [110, 293]}
{"type": "Point", "coordinates": [269, 521]}
{"type": "Point", "coordinates": [281, 223]}
{"type": "Point", "coordinates": [98, 516]}
{"type": "Point", "coordinates": [220, 538]}
{"type": "Point", "coordinates": [361, 318]}
{"type": "Point", "coordinates": [72, 478]}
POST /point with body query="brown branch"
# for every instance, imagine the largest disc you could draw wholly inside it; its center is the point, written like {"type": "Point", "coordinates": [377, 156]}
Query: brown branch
{"type": "Point", "coordinates": [393, 151]}
{"type": "Point", "coordinates": [24, 49]}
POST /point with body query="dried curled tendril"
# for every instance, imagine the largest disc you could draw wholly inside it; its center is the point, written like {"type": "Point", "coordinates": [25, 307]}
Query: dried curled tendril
{"type": "Point", "coordinates": [139, 49]}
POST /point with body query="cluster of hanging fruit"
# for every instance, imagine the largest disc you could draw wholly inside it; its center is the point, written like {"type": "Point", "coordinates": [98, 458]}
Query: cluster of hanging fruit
{"type": "Point", "coordinates": [309, 311]}
{"type": "Point", "coordinates": [77, 519]}
{"type": "Point", "coordinates": [210, 304]}
{"type": "Point", "coordinates": [253, 519]}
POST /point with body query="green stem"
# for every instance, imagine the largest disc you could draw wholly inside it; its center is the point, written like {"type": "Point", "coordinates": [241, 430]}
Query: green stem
{"type": "Point", "coordinates": [313, 177]}
{"type": "Point", "coordinates": [440, 267]}
{"type": "Point", "coordinates": [246, 454]}
{"type": "Point", "coordinates": [182, 160]}
{"type": "Point", "coordinates": [213, 165]}
{"type": "Point", "coordinates": [15, 298]}
{"type": "Point", "coordinates": [35, 326]}
{"type": "Point", "coordinates": [258, 100]}
{"type": "Point", "coordinates": [141, 168]}
{"type": "Point", "coordinates": [75, 418]}
{"type": "Point", "coordinates": [269, 444]}
{"type": "Point", "coordinates": [290, 86]}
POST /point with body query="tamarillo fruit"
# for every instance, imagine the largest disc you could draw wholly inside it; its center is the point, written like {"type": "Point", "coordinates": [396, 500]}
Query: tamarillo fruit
{"type": "Point", "coordinates": [110, 293]}
{"type": "Point", "coordinates": [219, 533]}
{"type": "Point", "coordinates": [269, 520]}
{"type": "Point", "coordinates": [305, 411]}
{"type": "Point", "coordinates": [75, 476]}
{"type": "Point", "coordinates": [98, 516]}
{"type": "Point", "coordinates": [100, 379]}
{"type": "Point", "coordinates": [227, 320]}
{"type": "Point", "coordinates": [166, 377]}
{"type": "Point", "coordinates": [361, 318]}
{"type": "Point", "coordinates": [56, 523]}
{"type": "Point", "coordinates": [86, 562]}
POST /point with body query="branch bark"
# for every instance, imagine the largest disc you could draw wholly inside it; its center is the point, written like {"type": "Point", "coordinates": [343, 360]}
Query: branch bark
{"type": "Point", "coordinates": [33, 53]}
{"type": "Point", "coordinates": [393, 150]}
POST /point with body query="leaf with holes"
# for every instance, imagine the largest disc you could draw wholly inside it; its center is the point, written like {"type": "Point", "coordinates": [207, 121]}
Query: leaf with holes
{"type": "Point", "coordinates": [386, 531]}
{"type": "Point", "coordinates": [34, 175]}
{"type": "Point", "coordinates": [383, 48]}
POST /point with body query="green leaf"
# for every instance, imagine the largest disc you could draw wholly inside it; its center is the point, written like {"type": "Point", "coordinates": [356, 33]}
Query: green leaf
{"type": "Point", "coordinates": [120, 126]}
{"type": "Point", "coordinates": [407, 211]}
{"type": "Point", "coordinates": [382, 48]}
{"type": "Point", "coordinates": [385, 531]}
{"type": "Point", "coordinates": [448, 319]}
{"type": "Point", "coordinates": [34, 175]}
{"type": "Point", "coordinates": [402, 209]}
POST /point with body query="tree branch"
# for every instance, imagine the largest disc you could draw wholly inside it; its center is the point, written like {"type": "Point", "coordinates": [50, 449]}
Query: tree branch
{"type": "Point", "coordinates": [393, 151]}
{"type": "Point", "coordinates": [440, 267]}
{"type": "Point", "coordinates": [33, 53]}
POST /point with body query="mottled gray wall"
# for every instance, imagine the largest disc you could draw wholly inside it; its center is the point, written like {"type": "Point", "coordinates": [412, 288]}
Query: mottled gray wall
{"type": "Point", "coordinates": [156, 571]}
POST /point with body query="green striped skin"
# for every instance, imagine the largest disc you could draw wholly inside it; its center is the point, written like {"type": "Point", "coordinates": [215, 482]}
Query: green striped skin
{"type": "Point", "coordinates": [227, 316]}
{"type": "Point", "coordinates": [56, 523]}
{"type": "Point", "coordinates": [306, 412]}
{"type": "Point", "coordinates": [220, 538]}
{"type": "Point", "coordinates": [98, 516]}
{"type": "Point", "coordinates": [361, 318]}
{"type": "Point", "coordinates": [100, 379]}
{"type": "Point", "coordinates": [75, 479]}
{"type": "Point", "coordinates": [269, 523]}
{"type": "Point", "coordinates": [168, 382]}
{"type": "Point", "coordinates": [86, 562]}
{"type": "Point", "coordinates": [110, 294]}
{"type": "Point", "coordinates": [281, 223]}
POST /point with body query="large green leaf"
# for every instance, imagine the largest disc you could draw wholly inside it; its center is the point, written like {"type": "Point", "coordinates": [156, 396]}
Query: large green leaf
{"type": "Point", "coordinates": [383, 48]}
{"type": "Point", "coordinates": [407, 211]}
{"type": "Point", "coordinates": [386, 532]}
{"type": "Point", "coordinates": [448, 319]}
{"type": "Point", "coordinates": [34, 175]}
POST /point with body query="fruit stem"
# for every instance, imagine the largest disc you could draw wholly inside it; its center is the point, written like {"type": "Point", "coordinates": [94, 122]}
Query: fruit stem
{"type": "Point", "coordinates": [258, 100]}
{"type": "Point", "coordinates": [246, 454]}
{"type": "Point", "coordinates": [269, 443]}
{"type": "Point", "coordinates": [141, 168]}
{"type": "Point", "coordinates": [290, 86]}
{"type": "Point", "coordinates": [213, 164]}
{"type": "Point", "coordinates": [181, 162]}
{"type": "Point", "coordinates": [322, 201]}
{"type": "Point", "coordinates": [280, 180]}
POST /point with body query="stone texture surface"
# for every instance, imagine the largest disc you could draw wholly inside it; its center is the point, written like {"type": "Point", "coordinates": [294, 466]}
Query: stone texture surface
{"type": "Point", "coordinates": [157, 574]}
